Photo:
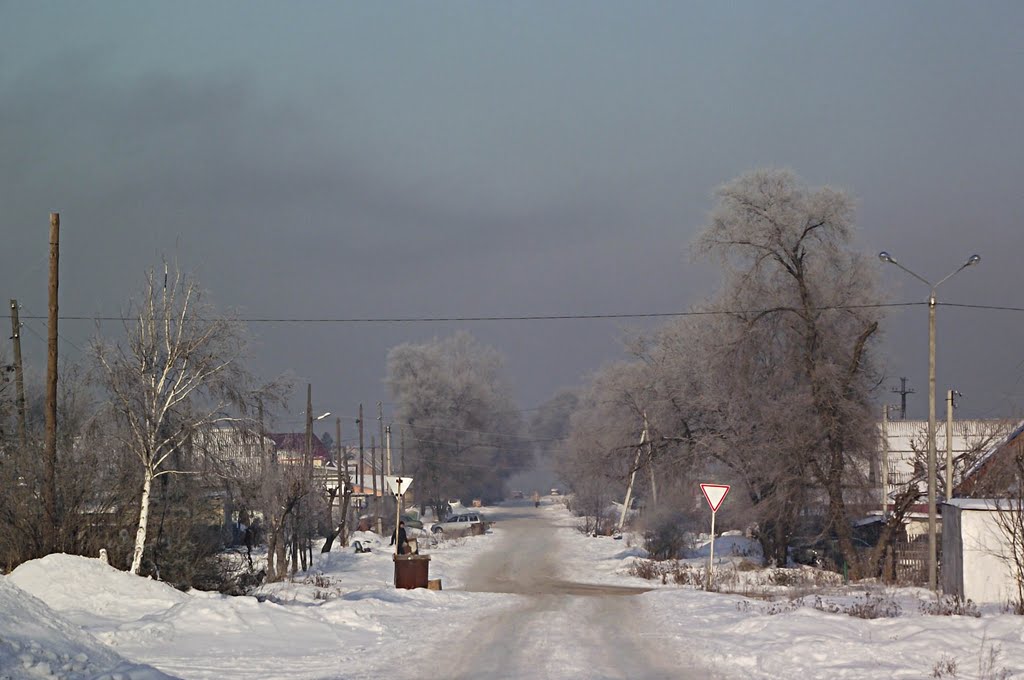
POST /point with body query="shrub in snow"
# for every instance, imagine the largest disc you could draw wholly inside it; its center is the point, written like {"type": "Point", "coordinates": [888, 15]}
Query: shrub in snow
{"type": "Point", "coordinates": [665, 537]}
{"type": "Point", "coordinates": [873, 606]}
{"type": "Point", "coordinates": [950, 605]}
{"type": "Point", "coordinates": [645, 569]}
{"type": "Point", "coordinates": [945, 667]}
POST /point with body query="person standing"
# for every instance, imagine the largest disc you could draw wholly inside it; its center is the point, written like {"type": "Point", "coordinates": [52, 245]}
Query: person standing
{"type": "Point", "coordinates": [403, 541]}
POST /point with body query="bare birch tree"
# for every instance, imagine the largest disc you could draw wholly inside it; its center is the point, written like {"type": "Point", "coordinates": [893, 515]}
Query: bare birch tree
{"type": "Point", "coordinates": [178, 369]}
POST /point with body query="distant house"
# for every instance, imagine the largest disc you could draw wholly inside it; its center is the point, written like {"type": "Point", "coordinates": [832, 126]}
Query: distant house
{"type": "Point", "coordinates": [291, 448]}
{"type": "Point", "coordinates": [904, 445]}
{"type": "Point", "coordinates": [231, 451]}
{"type": "Point", "coordinates": [900, 463]}
{"type": "Point", "coordinates": [366, 483]}
{"type": "Point", "coordinates": [993, 473]}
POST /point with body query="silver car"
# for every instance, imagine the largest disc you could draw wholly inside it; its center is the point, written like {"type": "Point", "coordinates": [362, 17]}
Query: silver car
{"type": "Point", "coordinates": [459, 523]}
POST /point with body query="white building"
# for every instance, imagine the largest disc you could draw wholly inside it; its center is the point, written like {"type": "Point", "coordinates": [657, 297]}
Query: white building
{"type": "Point", "coordinates": [978, 554]}
{"type": "Point", "coordinates": [904, 449]}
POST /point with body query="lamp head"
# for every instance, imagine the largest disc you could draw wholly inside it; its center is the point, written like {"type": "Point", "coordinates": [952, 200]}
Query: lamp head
{"type": "Point", "coordinates": [973, 259]}
{"type": "Point", "coordinates": [885, 257]}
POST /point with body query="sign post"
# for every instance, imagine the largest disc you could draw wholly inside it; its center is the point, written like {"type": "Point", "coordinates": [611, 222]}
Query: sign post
{"type": "Point", "coordinates": [398, 485]}
{"type": "Point", "coordinates": [714, 494]}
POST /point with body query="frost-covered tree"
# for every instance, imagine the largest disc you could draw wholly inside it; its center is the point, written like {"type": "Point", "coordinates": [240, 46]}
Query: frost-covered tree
{"type": "Point", "coordinates": [769, 386]}
{"type": "Point", "coordinates": [799, 325]}
{"type": "Point", "coordinates": [463, 431]}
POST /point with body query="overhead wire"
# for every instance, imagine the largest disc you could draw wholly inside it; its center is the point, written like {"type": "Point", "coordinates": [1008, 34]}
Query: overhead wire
{"type": "Point", "coordinates": [525, 317]}
{"type": "Point", "coordinates": [60, 337]}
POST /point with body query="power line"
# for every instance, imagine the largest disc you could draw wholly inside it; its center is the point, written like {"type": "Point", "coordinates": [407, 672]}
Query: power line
{"type": "Point", "coordinates": [998, 308]}
{"type": "Point", "coordinates": [59, 335]}
{"type": "Point", "coordinates": [528, 317]}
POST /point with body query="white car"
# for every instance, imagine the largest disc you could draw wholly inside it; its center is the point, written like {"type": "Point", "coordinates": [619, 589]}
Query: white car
{"type": "Point", "coordinates": [458, 523]}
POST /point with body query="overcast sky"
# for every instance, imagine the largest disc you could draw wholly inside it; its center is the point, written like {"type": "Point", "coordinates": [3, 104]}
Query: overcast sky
{"type": "Point", "coordinates": [464, 159]}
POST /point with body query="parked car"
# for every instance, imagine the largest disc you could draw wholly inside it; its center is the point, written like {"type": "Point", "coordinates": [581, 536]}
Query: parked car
{"type": "Point", "coordinates": [556, 492]}
{"type": "Point", "coordinates": [459, 522]}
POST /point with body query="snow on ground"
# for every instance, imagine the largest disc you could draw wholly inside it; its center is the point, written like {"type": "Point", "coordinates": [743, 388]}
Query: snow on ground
{"type": "Point", "coordinates": [36, 642]}
{"type": "Point", "coordinates": [76, 617]}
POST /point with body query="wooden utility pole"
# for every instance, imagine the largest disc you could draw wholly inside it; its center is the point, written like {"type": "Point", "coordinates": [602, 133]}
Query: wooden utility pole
{"type": "Point", "coordinates": [263, 436]}
{"type": "Point", "coordinates": [342, 468]}
{"type": "Point", "coordinates": [346, 479]}
{"type": "Point", "coordinates": [307, 463]}
{"type": "Point", "coordinates": [632, 477]}
{"type": "Point", "coordinates": [307, 480]}
{"type": "Point", "coordinates": [884, 473]}
{"type": "Point", "coordinates": [373, 470]}
{"type": "Point", "coordinates": [19, 376]}
{"type": "Point", "coordinates": [650, 466]}
{"type": "Point", "coordinates": [50, 438]}
{"type": "Point", "coordinates": [380, 423]}
{"type": "Point", "coordinates": [360, 472]}
{"type": "Point", "coordinates": [387, 448]}
{"type": "Point", "coordinates": [401, 448]}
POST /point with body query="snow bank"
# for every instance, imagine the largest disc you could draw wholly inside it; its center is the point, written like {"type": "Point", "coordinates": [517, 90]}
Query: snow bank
{"type": "Point", "coordinates": [36, 642]}
{"type": "Point", "coordinates": [81, 587]}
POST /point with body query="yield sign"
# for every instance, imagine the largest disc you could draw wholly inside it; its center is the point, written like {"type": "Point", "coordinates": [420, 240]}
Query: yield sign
{"type": "Point", "coordinates": [715, 494]}
{"type": "Point", "coordinates": [398, 484]}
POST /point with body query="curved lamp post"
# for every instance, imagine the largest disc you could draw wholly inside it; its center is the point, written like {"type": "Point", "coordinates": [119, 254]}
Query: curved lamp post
{"type": "Point", "coordinates": [932, 543]}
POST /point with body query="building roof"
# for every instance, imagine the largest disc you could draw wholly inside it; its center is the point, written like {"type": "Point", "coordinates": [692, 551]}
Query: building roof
{"type": "Point", "coordinates": [294, 443]}
{"type": "Point", "coordinates": [994, 448]}
{"type": "Point", "coordinates": [907, 439]}
{"type": "Point", "coordinates": [907, 435]}
{"type": "Point", "coordinates": [981, 503]}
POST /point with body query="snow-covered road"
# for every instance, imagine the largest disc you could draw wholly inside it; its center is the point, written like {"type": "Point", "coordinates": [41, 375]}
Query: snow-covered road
{"type": "Point", "coordinates": [557, 628]}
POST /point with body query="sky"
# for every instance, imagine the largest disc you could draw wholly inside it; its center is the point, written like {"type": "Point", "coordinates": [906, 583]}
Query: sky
{"type": "Point", "coordinates": [524, 617]}
{"type": "Point", "coordinates": [408, 160]}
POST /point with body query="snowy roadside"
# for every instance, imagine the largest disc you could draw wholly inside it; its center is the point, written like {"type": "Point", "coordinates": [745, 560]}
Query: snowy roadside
{"type": "Point", "coordinates": [780, 631]}
{"type": "Point", "coordinates": [344, 619]}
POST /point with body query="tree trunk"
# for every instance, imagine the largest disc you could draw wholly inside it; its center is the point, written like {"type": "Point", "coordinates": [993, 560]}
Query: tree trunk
{"type": "Point", "coordinates": [343, 528]}
{"type": "Point", "coordinates": [880, 557]}
{"type": "Point", "coordinates": [140, 533]}
{"type": "Point", "coordinates": [282, 559]}
{"type": "Point", "coordinates": [841, 525]}
{"type": "Point", "coordinates": [329, 543]}
{"type": "Point", "coordinates": [272, 564]}
{"type": "Point", "coordinates": [773, 535]}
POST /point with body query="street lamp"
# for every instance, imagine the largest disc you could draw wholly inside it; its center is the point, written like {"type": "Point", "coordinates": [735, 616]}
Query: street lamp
{"type": "Point", "coordinates": [932, 543]}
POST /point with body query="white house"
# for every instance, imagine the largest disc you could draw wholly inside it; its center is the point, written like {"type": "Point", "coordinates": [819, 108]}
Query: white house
{"type": "Point", "coordinates": [904, 446]}
{"type": "Point", "coordinates": [978, 552]}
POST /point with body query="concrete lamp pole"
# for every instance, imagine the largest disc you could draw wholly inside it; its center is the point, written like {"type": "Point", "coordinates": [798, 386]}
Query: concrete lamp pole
{"type": "Point", "coordinates": [932, 542]}
{"type": "Point", "coordinates": [951, 396]}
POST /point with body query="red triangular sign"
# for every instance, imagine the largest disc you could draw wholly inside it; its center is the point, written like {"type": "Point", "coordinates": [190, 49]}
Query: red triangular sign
{"type": "Point", "coordinates": [715, 494]}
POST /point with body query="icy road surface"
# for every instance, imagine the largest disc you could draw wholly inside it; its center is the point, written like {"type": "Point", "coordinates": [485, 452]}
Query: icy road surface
{"type": "Point", "coordinates": [556, 628]}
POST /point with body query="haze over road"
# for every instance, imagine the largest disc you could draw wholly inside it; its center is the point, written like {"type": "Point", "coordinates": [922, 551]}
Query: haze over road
{"type": "Point", "coordinates": [560, 627]}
